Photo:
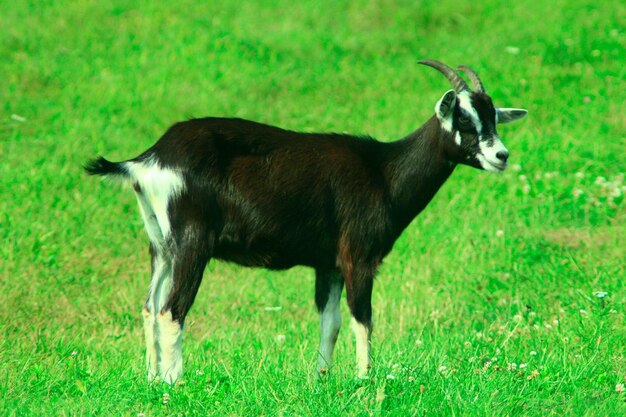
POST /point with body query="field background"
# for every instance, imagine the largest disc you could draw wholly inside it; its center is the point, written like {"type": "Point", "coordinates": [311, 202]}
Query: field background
{"type": "Point", "coordinates": [490, 302]}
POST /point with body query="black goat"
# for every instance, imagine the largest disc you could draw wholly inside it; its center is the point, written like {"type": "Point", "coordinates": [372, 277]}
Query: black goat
{"type": "Point", "coordinates": [258, 195]}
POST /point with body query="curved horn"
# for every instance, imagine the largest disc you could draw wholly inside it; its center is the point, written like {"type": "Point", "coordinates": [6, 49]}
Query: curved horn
{"type": "Point", "coordinates": [476, 83]}
{"type": "Point", "coordinates": [458, 83]}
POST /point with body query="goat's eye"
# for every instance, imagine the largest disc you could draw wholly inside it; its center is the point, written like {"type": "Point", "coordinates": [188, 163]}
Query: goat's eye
{"type": "Point", "coordinates": [464, 120]}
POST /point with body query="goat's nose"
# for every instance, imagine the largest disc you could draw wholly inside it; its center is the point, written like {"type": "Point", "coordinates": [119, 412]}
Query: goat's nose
{"type": "Point", "coordinates": [502, 155]}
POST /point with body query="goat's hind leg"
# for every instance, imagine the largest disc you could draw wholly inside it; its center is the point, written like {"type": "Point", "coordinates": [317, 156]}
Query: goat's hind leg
{"type": "Point", "coordinates": [328, 288]}
{"type": "Point", "coordinates": [193, 249]}
{"type": "Point", "coordinates": [160, 281]}
{"type": "Point", "coordinates": [160, 284]}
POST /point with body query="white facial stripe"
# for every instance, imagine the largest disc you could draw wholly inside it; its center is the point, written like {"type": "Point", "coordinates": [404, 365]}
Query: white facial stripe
{"type": "Point", "coordinates": [457, 138]}
{"type": "Point", "coordinates": [465, 103]}
{"type": "Point", "coordinates": [488, 154]}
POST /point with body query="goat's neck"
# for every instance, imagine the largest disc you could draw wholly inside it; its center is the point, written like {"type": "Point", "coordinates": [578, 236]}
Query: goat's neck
{"type": "Point", "coordinates": [416, 169]}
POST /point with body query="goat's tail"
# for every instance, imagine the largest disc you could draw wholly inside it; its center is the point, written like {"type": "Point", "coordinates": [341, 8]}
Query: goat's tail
{"type": "Point", "coordinates": [103, 167]}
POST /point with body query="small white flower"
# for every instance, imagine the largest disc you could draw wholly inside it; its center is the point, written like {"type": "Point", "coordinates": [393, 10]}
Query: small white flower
{"type": "Point", "coordinates": [280, 339]}
{"type": "Point", "coordinates": [577, 192]}
{"type": "Point", "coordinates": [516, 167]}
{"type": "Point", "coordinates": [523, 365]}
{"type": "Point", "coordinates": [555, 323]}
{"type": "Point", "coordinates": [467, 345]}
{"type": "Point", "coordinates": [601, 294]}
{"type": "Point", "coordinates": [199, 372]}
{"type": "Point", "coordinates": [619, 387]}
{"type": "Point", "coordinates": [419, 343]}
{"type": "Point", "coordinates": [523, 178]}
{"type": "Point", "coordinates": [533, 353]}
{"type": "Point", "coordinates": [580, 175]}
{"type": "Point", "coordinates": [443, 369]}
{"type": "Point", "coordinates": [600, 181]}
{"type": "Point", "coordinates": [166, 398]}
{"type": "Point", "coordinates": [616, 192]}
{"type": "Point", "coordinates": [532, 314]}
{"type": "Point", "coordinates": [391, 376]}
{"type": "Point", "coordinates": [526, 189]}
{"type": "Point", "coordinates": [499, 233]}
{"type": "Point", "coordinates": [583, 312]}
{"type": "Point", "coordinates": [411, 378]}
{"type": "Point", "coordinates": [74, 353]}
{"type": "Point", "coordinates": [513, 50]}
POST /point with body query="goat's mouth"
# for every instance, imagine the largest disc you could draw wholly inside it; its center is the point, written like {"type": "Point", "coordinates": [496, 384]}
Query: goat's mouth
{"type": "Point", "coordinates": [488, 165]}
{"type": "Point", "coordinates": [499, 166]}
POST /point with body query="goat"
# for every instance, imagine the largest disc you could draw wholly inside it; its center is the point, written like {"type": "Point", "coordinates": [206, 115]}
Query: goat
{"type": "Point", "coordinates": [261, 196]}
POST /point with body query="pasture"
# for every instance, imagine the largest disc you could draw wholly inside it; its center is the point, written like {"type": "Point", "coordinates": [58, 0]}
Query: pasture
{"type": "Point", "coordinates": [506, 296]}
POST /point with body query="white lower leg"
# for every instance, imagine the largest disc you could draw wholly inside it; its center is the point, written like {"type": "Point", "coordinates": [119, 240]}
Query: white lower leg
{"type": "Point", "coordinates": [362, 335]}
{"type": "Point", "coordinates": [151, 347]}
{"type": "Point", "coordinates": [330, 323]}
{"type": "Point", "coordinates": [170, 339]}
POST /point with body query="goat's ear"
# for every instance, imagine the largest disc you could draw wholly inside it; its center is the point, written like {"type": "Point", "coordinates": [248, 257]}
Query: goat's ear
{"type": "Point", "coordinates": [445, 105]}
{"type": "Point", "coordinates": [504, 115]}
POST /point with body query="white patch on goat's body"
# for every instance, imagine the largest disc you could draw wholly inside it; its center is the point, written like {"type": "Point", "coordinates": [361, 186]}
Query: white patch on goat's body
{"type": "Point", "coordinates": [465, 103]}
{"type": "Point", "coordinates": [157, 186]}
{"type": "Point", "coordinates": [362, 335]}
{"type": "Point", "coordinates": [488, 154]}
{"type": "Point", "coordinates": [170, 336]}
{"type": "Point", "coordinates": [330, 323]}
{"type": "Point", "coordinates": [151, 343]}
{"type": "Point", "coordinates": [457, 138]}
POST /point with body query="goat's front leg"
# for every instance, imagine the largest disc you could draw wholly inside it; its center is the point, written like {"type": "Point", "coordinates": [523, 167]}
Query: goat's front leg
{"type": "Point", "coordinates": [328, 288]}
{"type": "Point", "coordinates": [359, 283]}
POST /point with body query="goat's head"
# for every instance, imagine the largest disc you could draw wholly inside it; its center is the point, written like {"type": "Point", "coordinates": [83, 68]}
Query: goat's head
{"type": "Point", "coordinates": [470, 120]}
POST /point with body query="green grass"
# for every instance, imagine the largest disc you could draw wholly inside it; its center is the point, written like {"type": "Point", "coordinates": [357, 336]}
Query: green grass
{"type": "Point", "coordinates": [487, 304]}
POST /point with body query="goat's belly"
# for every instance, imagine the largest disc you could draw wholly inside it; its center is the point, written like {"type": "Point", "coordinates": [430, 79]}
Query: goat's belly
{"type": "Point", "coordinates": [272, 257]}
